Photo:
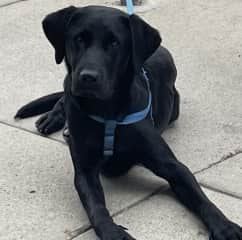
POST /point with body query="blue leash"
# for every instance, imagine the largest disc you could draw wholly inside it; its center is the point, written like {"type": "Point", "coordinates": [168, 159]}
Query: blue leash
{"type": "Point", "coordinates": [130, 6]}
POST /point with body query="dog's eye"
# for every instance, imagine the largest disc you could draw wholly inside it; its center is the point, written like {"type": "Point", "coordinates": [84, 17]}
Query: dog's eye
{"type": "Point", "coordinates": [114, 43]}
{"type": "Point", "coordinates": [79, 39]}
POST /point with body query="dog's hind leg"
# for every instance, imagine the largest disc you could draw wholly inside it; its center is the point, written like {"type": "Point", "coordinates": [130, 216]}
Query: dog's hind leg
{"type": "Point", "coordinates": [176, 107]}
{"type": "Point", "coordinates": [52, 121]}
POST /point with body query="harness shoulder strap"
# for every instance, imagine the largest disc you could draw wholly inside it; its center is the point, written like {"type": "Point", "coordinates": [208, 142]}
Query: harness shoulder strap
{"type": "Point", "coordinates": [109, 134]}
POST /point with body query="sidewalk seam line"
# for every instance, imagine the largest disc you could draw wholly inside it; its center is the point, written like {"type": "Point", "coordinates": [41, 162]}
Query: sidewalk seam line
{"type": "Point", "coordinates": [12, 3]}
{"type": "Point", "coordinates": [224, 158]}
{"type": "Point", "coordinates": [217, 190]}
{"type": "Point", "coordinates": [31, 132]}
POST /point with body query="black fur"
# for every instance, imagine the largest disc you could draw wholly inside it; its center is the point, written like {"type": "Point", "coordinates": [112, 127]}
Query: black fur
{"type": "Point", "coordinates": [44, 104]}
{"type": "Point", "coordinates": [104, 50]}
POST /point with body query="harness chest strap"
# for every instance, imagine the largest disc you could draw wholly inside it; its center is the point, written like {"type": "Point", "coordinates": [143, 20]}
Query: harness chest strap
{"type": "Point", "coordinates": [110, 125]}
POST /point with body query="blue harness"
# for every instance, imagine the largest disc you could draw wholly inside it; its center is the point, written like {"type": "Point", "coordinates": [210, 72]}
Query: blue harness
{"type": "Point", "coordinates": [110, 125]}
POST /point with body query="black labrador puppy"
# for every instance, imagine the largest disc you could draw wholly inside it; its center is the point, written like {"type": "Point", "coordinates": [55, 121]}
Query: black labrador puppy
{"type": "Point", "coordinates": [105, 52]}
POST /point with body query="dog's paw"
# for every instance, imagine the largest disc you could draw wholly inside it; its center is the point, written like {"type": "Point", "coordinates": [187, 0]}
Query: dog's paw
{"type": "Point", "coordinates": [226, 231]}
{"type": "Point", "coordinates": [50, 123]}
{"type": "Point", "coordinates": [115, 232]}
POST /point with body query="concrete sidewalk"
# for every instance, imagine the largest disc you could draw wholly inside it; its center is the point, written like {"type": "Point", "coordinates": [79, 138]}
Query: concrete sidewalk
{"type": "Point", "coordinates": [37, 197]}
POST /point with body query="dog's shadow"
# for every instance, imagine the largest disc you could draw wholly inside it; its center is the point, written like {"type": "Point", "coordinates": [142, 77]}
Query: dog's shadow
{"type": "Point", "coordinates": [139, 181]}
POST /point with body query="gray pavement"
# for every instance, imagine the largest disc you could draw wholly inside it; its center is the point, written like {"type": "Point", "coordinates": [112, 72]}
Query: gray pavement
{"type": "Point", "coordinates": [37, 197]}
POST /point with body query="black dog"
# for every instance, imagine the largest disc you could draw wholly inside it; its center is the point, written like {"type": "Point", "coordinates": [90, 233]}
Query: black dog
{"type": "Point", "coordinates": [105, 50]}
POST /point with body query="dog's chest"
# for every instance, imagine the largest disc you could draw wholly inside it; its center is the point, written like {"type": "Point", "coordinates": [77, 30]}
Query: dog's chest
{"type": "Point", "coordinates": [125, 140]}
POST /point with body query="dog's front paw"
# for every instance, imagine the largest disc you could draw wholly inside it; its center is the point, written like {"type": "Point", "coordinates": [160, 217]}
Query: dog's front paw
{"type": "Point", "coordinates": [226, 231]}
{"type": "Point", "coordinates": [50, 123]}
{"type": "Point", "coordinates": [114, 232]}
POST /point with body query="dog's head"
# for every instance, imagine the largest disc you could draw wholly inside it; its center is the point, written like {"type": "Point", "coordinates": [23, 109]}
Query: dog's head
{"type": "Point", "coordinates": [99, 45]}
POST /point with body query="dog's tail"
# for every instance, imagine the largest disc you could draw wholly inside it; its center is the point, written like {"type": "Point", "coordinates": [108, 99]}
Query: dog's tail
{"type": "Point", "coordinates": [38, 106]}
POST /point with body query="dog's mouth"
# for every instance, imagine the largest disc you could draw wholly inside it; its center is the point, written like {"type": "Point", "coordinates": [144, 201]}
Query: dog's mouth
{"type": "Point", "coordinates": [85, 94]}
{"type": "Point", "coordinates": [92, 94]}
{"type": "Point", "coordinates": [88, 94]}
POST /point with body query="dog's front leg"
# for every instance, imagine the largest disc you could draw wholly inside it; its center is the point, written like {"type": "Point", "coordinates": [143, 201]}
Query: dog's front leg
{"type": "Point", "coordinates": [159, 159]}
{"type": "Point", "coordinates": [91, 194]}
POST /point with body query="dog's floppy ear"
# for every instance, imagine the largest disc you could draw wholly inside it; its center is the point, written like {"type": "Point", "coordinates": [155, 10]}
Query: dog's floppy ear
{"type": "Point", "coordinates": [145, 41]}
{"type": "Point", "coordinates": [54, 26]}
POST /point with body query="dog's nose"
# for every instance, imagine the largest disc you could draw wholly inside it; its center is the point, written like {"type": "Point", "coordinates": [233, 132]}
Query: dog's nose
{"type": "Point", "coordinates": [89, 76]}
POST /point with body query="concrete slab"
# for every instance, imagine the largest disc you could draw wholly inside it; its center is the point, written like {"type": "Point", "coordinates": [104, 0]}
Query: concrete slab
{"type": "Point", "coordinates": [38, 200]}
{"type": "Point", "coordinates": [164, 218]}
{"type": "Point", "coordinates": [226, 176]}
{"type": "Point", "coordinates": [205, 39]}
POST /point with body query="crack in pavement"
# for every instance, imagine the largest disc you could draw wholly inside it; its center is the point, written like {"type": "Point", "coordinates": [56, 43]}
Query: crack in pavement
{"type": "Point", "coordinates": [224, 158]}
